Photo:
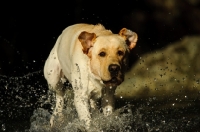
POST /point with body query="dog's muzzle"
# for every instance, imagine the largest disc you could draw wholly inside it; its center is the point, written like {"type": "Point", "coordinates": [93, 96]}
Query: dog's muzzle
{"type": "Point", "coordinates": [115, 74]}
{"type": "Point", "coordinates": [114, 69]}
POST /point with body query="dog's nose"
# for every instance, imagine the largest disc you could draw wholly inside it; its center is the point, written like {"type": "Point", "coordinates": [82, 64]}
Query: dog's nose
{"type": "Point", "coordinates": [114, 68]}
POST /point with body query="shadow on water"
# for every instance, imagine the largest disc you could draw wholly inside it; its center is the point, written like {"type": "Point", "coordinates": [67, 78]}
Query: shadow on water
{"type": "Point", "coordinates": [26, 105]}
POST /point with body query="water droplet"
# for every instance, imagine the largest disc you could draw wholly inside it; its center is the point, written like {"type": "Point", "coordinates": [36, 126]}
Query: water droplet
{"type": "Point", "coordinates": [147, 124]}
{"type": "Point", "coordinates": [3, 127]}
{"type": "Point", "coordinates": [163, 122]}
{"type": "Point", "coordinates": [157, 129]}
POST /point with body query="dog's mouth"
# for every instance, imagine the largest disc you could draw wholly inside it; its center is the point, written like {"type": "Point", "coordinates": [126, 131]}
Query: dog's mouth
{"type": "Point", "coordinates": [114, 81]}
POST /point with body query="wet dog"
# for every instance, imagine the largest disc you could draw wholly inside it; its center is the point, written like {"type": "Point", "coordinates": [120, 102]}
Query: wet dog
{"type": "Point", "coordinates": [93, 60]}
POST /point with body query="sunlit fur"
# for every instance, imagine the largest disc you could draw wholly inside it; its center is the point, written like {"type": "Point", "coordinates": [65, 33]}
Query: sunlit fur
{"type": "Point", "coordinates": [110, 45]}
{"type": "Point", "coordinates": [82, 55]}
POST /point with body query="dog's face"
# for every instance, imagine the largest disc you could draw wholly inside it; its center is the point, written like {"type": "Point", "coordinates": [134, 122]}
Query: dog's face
{"type": "Point", "coordinates": [108, 59]}
{"type": "Point", "coordinates": [108, 54]}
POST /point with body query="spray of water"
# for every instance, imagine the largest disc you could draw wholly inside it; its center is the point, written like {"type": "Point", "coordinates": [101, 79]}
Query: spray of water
{"type": "Point", "coordinates": [26, 104]}
{"type": "Point", "coordinates": [120, 120]}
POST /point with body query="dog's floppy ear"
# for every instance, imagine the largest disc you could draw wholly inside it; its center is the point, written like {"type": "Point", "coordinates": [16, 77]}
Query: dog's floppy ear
{"type": "Point", "coordinates": [129, 36]}
{"type": "Point", "coordinates": [87, 40]}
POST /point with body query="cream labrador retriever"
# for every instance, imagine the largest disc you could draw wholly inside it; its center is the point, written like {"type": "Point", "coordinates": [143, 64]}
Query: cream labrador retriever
{"type": "Point", "coordinates": [93, 60]}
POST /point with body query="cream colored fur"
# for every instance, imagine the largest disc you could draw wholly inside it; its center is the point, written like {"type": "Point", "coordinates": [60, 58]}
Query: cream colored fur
{"type": "Point", "coordinates": [91, 58]}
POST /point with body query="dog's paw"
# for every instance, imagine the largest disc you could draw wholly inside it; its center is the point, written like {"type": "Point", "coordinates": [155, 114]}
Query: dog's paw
{"type": "Point", "coordinates": [56, 119]}
{"type": "Point", "coordinates": [87, 124]}
{"type": "Point", "coordinates": [107, 110]}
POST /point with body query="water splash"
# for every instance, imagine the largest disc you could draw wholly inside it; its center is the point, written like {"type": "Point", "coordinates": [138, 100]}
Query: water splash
{"type": "Point", "coordinates": [120, 120]}
{"type": "Point", "coordinates": [26, 105]}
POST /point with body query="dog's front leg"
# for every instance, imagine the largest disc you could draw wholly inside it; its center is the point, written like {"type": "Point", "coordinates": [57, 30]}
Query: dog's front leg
{"type": "Point", "coordinates": [60, 91]}
{"type": "Point", "coordinates": [108, 100]}
{"type": "Point", "coordinates": [81, 102]}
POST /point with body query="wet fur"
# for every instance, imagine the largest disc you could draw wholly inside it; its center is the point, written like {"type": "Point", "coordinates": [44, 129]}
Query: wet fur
{"type": "Point", "coordinates": [93, 60]}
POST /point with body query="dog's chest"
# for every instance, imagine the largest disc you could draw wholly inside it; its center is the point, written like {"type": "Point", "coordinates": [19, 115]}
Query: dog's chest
{"type": "Point", "coordinates": [95, 89]}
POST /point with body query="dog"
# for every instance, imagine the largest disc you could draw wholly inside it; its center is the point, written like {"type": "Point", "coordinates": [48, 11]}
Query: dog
{"type": "Point", "coordinates": [94, 61]}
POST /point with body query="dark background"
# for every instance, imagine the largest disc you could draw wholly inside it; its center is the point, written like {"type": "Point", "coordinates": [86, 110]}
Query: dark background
{"type": "Point", "coordinates": [28, 30]}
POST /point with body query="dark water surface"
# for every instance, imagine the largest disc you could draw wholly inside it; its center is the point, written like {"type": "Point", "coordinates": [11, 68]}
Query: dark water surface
{"type": "Point", "coordinates": [26, 105]}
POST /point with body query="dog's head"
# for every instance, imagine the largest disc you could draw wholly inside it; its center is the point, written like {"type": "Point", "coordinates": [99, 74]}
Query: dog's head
{"type": "Point", "coordinates": [108, 54]}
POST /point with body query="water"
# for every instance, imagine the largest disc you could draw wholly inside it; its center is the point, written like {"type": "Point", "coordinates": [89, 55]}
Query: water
{"type": "Point", "coordinates": [26, 105]}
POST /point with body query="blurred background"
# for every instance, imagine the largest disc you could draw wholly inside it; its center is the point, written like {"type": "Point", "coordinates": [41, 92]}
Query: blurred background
{"type": "Point", "coordinates": [28, 30]}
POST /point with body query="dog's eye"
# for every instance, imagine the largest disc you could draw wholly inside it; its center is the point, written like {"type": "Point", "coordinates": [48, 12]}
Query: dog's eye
{"type": "Point", "coordinates": [120, 53]}
{"type": "Point", "coordinates": [102, 54]}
